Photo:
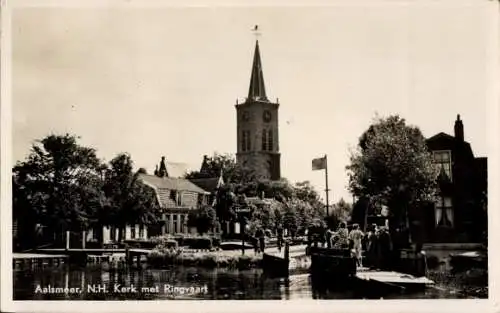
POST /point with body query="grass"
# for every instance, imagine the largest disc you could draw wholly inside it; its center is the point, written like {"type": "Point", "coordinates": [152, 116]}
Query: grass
{"type": "Point", "coordinates": [208, 259]}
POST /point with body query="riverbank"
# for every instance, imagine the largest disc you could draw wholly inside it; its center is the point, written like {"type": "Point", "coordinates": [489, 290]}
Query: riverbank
{"type": "Point", "coordinates": [231, 259]}
{"type": "Point", "coordinates": [472, 283]}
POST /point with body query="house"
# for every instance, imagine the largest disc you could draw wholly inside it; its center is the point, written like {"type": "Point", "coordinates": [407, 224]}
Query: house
{"type": "Point", "coordinates": [459, 215]}
{"type": "Point", "coordinates": [176, 197]}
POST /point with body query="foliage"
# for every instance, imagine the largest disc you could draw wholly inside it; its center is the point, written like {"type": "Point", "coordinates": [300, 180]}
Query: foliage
{"type": "Point", "coordinates": [225, 164]}
{"type": "Point", "coordinates": [159, 258]}
{"type": "Point", "coordinates": [204, 219]}
{"type": "Point", "coordinates": [294, 205]}
{"type": "Point", "coordinates": [341, 212]}
{"type": "Point", "coordinates": [58, 185]}
{"type": "Point", "coordinates": [63, 186]}
{"type": "Point", "coordinates": [130, 201]}
{"type": "Point", "coordinates": [392, 166]}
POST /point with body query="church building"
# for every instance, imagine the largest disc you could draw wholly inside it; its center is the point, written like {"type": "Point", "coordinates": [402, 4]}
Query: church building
{"type": "Point", "coordinates": [257, 127]}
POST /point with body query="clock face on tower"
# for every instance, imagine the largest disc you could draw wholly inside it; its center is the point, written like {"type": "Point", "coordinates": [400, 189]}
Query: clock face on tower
{"type": "Point", "coordinates": [266, 116]}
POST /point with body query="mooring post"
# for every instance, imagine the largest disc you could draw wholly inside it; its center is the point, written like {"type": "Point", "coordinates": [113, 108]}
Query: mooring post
{"type": "Point", "coordinates": [128, 256]}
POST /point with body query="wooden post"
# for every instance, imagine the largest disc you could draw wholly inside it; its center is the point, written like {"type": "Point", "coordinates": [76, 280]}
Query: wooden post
{"type": "Point", "coordinates": [326, 186]}
{"type": "Point", "coordinates": [128, 256]}
{"type": "Point", "coordinates": [84, 239]}
{"type": "Point", "coordinates": [67, 239]}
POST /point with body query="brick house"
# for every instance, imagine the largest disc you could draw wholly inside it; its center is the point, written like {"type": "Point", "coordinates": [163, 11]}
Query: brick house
{"type": "Point", "coordinates": [460, 213]}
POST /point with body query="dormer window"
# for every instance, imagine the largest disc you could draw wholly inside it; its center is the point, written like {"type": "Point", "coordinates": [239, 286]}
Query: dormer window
{"type": "Point", "coordinates": [176, 197]}
{"type": "Point", "coordinates": [442, 161]}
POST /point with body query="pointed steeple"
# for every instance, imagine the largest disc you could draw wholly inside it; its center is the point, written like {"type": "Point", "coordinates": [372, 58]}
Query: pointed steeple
{"type": "Point", "coordinates": [257, 90]}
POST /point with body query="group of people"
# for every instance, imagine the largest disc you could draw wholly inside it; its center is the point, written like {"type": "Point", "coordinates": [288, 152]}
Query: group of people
{"type": "Point", "coordinates": [376, 242]}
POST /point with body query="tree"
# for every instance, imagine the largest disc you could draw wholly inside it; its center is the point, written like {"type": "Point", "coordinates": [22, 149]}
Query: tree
{"type": "Point", "coordinates": [57, 186]}
{"type": "Point", "coordinates": [130, 201]}
{"type": "Point", "coordinates": [393, 167]}
{"type": "Point", "coordinates": [232, 172]}
{"type": "Point", "coordinates": [204, 219]}
{"type": "Point", "coordinates": [306, 192]}
{"type": "Point", "coordinates": [341, 212]}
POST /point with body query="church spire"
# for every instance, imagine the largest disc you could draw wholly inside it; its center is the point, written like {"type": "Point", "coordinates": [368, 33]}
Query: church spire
{"type": "Point", "coordinates": [257, 90]}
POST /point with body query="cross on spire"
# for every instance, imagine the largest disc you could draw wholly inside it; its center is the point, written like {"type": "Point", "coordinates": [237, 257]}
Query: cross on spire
{"type": "Point", "coordinates": [256, 32]}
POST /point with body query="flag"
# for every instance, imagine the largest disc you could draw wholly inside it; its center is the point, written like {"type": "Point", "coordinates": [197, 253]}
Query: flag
{"type": "Point", "coordinates": [319, 164]}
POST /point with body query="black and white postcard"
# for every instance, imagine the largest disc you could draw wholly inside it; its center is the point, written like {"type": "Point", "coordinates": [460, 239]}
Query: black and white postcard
{"type": "Point", "coordinates": [188, 155]}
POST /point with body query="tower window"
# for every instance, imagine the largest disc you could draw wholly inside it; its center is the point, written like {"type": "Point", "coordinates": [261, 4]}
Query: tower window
{"type": "Point", "coordinates": [267, 140]}
{"type": "Point", "coordinates": [264, 140]}
{"type": "Point", "coordinates": [270, 140]}
{"type": "Point", "coordinates": [245, 141]}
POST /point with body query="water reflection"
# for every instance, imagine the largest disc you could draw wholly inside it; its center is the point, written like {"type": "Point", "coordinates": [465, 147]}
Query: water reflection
{"type": "Point", "coordinates": [191, 283]}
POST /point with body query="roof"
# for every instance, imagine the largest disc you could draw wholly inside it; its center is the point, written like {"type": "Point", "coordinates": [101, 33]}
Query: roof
{"type": "Point", "coordinates": [444, 141]}
{"type": "Point", "coordinates": [171, 183]}
{"type": "Point", "coordinates": [441, 135]}
{"type": "Point", "coordinates": [177, 170]}
{"type": "Point", "coordinates": [257, 89]}
{"type": "Point", "coordinates": [208, 184]}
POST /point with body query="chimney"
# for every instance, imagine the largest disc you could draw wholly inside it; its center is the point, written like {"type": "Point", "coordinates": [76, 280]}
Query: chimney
{"type": "Point", "coordinates": [459, 129]}
{"type": "Point", "coordinates": [162, 172]}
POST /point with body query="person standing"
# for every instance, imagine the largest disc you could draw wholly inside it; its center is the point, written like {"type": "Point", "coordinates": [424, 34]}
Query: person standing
{"type": "Point", "coordinates": [342, 237]}
{"type": "Point", "coordinates": [356, 235]}
{"type": "Point", "coordinates": [328, 237]}
{"type": "Point", "coordinates": [385, 248]}
{"type": "Point", "coordinates": [262, 240]}
{"type": "Point", "coordinates": [371, 246]}
{"type": "Point", "coordinates": [279, 235]}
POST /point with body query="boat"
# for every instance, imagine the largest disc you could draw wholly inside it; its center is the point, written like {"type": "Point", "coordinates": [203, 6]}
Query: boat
{"type": "Point", "coordinates": [275, 265]}
{"type": "Point", "coordinates": [332, 262]}
{"type": "Point", "coordinates": [382, 282]}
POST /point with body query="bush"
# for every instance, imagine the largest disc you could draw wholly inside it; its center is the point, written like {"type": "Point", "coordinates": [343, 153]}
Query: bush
{"type": "Point", "coordinates": [160, 258]}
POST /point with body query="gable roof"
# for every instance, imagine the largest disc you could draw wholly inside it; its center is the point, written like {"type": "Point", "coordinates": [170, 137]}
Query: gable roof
{"type": "Point", "coordinates": [171, 183]}
{"type": "Point", "coordinates": [440, 135]}
{"type": "Point", "coordinates": [177, 169]}
{"type": "Point", "coordinates": [208, 184]}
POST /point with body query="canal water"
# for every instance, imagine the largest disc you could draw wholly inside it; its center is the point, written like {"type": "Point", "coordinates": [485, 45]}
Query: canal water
{"type": "Point", "coordinates": [97, 283]}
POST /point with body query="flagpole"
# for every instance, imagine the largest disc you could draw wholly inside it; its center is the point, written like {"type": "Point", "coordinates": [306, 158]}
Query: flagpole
{"type": "Point", "coordinates": [326, 186]}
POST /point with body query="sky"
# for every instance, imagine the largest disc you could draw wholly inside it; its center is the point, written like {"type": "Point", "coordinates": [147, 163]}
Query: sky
{"type": "Point", "coordinates": [164, 81]}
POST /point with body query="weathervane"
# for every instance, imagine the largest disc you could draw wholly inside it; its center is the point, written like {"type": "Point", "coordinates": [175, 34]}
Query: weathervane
{"type": "Point", "coordinates": [256, 31]}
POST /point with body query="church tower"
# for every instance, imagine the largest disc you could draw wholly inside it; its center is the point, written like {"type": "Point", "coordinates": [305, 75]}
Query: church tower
{"type": "Point", "coordinates": [257, 127]}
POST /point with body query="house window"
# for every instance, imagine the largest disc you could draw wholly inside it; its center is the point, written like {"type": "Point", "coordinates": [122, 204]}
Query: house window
{"type": "Point", "coordinates": [112, 234]}
{"type": "Point", "coordinates": [174, 230]}
{"type": "Point", "coordinates": [141, 231]}
{"type": "Point", "coordinates": [444, 212]}
{"type": "Point", "coordinates": [442, 161]}
{"type": "Point", "coordinates": [173, 195]}
{"type": "Point", "coordinates": [132, 232]}
{"type": "Point", "coordinates": [179, 199]}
